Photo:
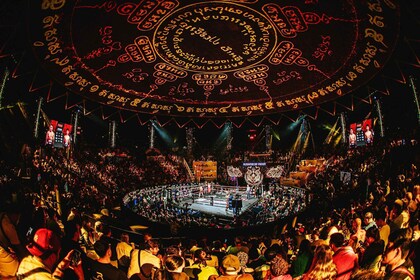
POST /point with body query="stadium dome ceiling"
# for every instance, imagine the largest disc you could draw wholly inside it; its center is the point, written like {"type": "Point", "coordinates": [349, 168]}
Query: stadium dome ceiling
{"type": "Point", "coordinates": [205, 60]}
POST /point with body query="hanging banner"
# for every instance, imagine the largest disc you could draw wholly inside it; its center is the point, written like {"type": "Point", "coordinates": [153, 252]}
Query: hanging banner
{"type": "Point", "coordinates": [206, 170]}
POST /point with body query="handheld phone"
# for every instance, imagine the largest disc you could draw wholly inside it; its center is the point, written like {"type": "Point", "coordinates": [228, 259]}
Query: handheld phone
{"type": "Point", "coordinates": [75, 258]}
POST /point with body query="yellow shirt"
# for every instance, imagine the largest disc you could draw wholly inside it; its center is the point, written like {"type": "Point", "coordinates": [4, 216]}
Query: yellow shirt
{"type": "Point", "coordinates": [123, 249]}
{"type": "Point", "coordinates": [214, 261]}
{"type": "Point", "coordinates": [30, 263]}
{"type": "Point", "coordinates": [384, 233]}
{"type": "Point", "coordinates": [8, 261]}
{"type": "Point", "coordinates": [145, 257]}
{"type": "Point", "coordinates": [206, 271]}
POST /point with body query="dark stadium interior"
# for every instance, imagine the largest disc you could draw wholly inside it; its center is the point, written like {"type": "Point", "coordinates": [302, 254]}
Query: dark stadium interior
{"type": "Point", "coordinates": [175, 139]}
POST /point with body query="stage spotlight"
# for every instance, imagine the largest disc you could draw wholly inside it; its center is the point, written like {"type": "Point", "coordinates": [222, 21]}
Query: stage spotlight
{"type": "Point", "coordinates": [296, 123]}
{"type": "Point", "coordinates": [276, 135]}
{"type": "Point", "coordinates": [164, 134]}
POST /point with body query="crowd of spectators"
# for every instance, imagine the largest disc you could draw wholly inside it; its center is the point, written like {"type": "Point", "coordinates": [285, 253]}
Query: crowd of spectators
{"type": "Point", "coordinates": [372, 235]}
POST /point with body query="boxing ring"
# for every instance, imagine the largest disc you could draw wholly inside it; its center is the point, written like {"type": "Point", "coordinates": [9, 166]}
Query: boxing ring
{"type": "Point", "coordinates": [217, 203]}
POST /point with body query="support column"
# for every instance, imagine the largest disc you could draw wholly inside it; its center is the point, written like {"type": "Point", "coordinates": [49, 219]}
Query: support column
{"type": "Point", "coordinates": [112, 134]}
{"type": "Point", "coordinates": [268, 137]}
{"type": "Point", "coordinates": [38, 115]}
{"type": "Point", "coordinates": [416, 96]}
{"type": "Point", "coordinates": [4, 79]}
{"type": "Point", "coordinates": [378, 106]}
{"type": "Point", "coordinates": [76, 116]}
{"type": "Point", "coordinates": [229, 137]}
{"type": "Point", "coordinates": [343, 128]}
{"type": "Point", "coordinates": [189, 131]}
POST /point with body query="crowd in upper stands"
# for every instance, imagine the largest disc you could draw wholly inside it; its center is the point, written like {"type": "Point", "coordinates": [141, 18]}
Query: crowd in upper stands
{"type": "Point", "coordinates": [362, 228]}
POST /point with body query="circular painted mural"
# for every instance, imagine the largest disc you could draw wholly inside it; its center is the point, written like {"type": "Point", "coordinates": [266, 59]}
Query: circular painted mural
{"type": "Point", "coordinates": [212, 58]}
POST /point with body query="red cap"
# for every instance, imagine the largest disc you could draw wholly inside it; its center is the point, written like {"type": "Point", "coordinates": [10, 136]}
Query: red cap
{"type": "Point", "coordinates": [44, 241]}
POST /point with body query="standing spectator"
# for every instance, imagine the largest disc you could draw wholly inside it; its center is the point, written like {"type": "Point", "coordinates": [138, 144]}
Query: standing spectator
{"type": "Point", "coordinates": [98, 230]}
{"type": "Point", "coordinates": [248, 192]}
{"type": "Point", "coordinates": [44, 254]}
{"type": "Point", "coordinates": [359, 235]}
{"type": "Point", "coordinates": [384, 229]}
{"type": "Point", "coordinates": [102, 269]}
{"type": "Point", "coordinates": [124, 249]}
{"type": "Point", "coordinates": [344, 257]}
{"type": "Point", "coordinates": [71, 243]}
{"type": "Point", "coordinates": [394, 258]}
{"type": "Point", "coordinates": [11, 249]}
{"type": "Point", "coordinates": [399, 215]}
{"type": "Point", "coordinates": [107, 238]}
{"type": "Point", "coordinates": [303, 261]}
{"type": "Point", "coordinates": [86, 234]}
{"type": "Point", "coordinates": [141, 257]}
{"type": "Point", "coordinates": [369, 222]}
{"type": "Point", "coordinates": [372, 250]}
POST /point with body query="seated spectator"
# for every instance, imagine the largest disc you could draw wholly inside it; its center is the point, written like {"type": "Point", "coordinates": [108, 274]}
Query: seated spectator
{"type": "Point", "coordinates": [278, 270]}
{"type": "Point", "coordinates": [44, 255]}
{"type": "Point", "coordinates": [174, 265]}
{"type": "Point", "coordinates": [199, 269]}
{"type": "Point", "coordinates": [102, 267]}
{"type": "Point", "coordinates": [345, 259]}
{"type": "Point", "coordinates": [193, 246]}
{"type": "Point", "coordinates": [366, 274]}
{"type": "Point", "coordinates": [261, 271]}
{"type": "Point", "coordinates": [316, 240]}
{"type": "Point", "coordinates": [141, 257]}
{"type": "Point", "coordinates": [230, 270]}
{"type": "Point", "coordinates": [239, 246]}
{"type": "Point", "coordinates": [218, 251]}
{"type": "Point", "coordinates": [323, 267]}
{"type": "Point", "coordinates": [255, 259]}
{"type": "Point", "coordinates": [212, 260]}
